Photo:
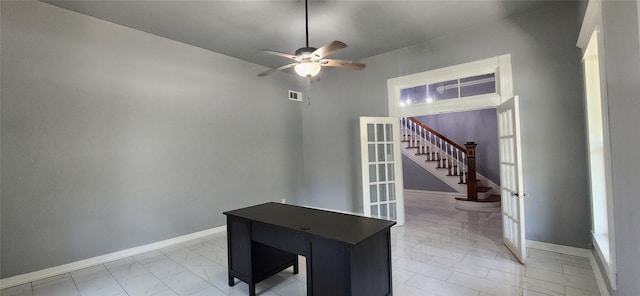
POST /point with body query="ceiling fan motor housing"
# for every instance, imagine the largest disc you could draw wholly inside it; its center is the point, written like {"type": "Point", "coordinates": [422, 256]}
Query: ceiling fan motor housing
{"type": "Point", "coordinates": [305, 52]}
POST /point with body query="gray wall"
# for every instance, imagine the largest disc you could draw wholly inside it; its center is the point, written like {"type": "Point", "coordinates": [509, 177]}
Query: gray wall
{"type": "Point", "coordinates": [547, 77]}
{"type": "Point", "coordinates": [114, 138]}
{"type": "Point", "coordinates": [622, 58]}
{"type": "Point", "coordinates": [480, 126]}
{"type": "Point", "coordinates": [417, 178]}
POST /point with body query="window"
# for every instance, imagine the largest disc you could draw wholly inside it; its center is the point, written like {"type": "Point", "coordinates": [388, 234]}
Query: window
{"type": "Point", "coordinates": [600, 197]}
{"type": "Point", "coordinates": [451, 89]}
{"type": "Point", "coordinates": [471, 86]}
{"type": "Point", "coordinates": [597, 125]}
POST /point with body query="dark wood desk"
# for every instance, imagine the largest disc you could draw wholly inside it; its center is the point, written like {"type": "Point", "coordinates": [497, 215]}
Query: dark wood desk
{"type": "Point", "coordinates": [346, 254]}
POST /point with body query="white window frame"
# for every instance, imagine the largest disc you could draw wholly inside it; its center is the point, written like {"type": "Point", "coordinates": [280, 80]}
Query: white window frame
{"type": "Point", "coordinates": [500, 65]}
{"type": "Point", "coordinates": [603, 240]}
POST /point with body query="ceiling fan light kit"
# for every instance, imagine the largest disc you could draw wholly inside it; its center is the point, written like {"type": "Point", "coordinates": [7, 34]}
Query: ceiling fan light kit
{"type": "Point", "coordinates": [310, 60]}
{"type": "Point", "coordinates": [308, 69]}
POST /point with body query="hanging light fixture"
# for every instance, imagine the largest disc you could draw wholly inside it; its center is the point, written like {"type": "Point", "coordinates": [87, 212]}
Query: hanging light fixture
{"type": "Point", "coordinates": [308, 69]}
{"type": "Point", "coordinates": [310, 60]}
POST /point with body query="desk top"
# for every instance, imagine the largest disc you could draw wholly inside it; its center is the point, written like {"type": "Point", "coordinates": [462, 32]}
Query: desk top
{"type": "Point", "coordinates": [346, 228]}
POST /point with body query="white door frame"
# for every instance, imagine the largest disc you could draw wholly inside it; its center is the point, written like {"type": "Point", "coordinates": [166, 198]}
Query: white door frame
{"type": "Point", "coordinates": [500, 65]}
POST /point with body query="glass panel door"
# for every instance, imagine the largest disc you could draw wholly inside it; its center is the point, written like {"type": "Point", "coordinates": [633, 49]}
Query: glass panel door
{"type": "Point", "coordinates": [511, 178]}
{"type": "Point", "coordinates": [381, 168]}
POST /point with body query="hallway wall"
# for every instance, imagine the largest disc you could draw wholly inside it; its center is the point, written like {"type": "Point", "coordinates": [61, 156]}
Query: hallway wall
{"type": "Point", "coordinates": [547, 76]}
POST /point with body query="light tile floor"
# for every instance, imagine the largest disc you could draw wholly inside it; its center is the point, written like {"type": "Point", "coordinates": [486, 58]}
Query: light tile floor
{"type": "Point", "coordinates": [439, 251]}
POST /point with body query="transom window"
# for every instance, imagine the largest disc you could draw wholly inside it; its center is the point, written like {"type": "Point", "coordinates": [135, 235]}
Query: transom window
{"type": "Point", "coordinates": [475, 85]}
{"type": "Point", "coordinates": [450, 89]}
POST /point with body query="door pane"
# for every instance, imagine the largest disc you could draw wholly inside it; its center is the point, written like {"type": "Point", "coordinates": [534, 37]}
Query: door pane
{"type": "Point", "coordinates": [392, 211]}
{"type": "Point", "coordinates": [372, 173]}
{"type": "Point", "coordinates": [372, 152]}
{"type": "Point", "coordinates": [380, 152]}
{"type": "Point", "coordinates": [389, 152]}
{"type": "Point", "coordinates": [383, 210]}
{"type": "Point", "coordinates": [389, 132]}
{"type": "Point", "coordinates": [373, 193]}
{"type": "Point", "coordinates": [383, 192]}
{"type": "Point", "coordinates": [380, 132]}
{"type": "Point", "coordinates": [392, 191]}
{"type": "Point", "coordinates": [371, 133]}
{"type": "Point", "coordinates": [390, 172]}
{"type": "Point", "coordinates": [381, 172]}
{"type": "Point", "coordinates": [374, 211]}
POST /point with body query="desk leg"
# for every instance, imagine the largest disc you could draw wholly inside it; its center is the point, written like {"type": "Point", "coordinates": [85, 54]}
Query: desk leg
{"type": "Point", "coordinates": [309, 276]}
{"type": "Point", "coordinates": [252, 289]}
{"type": "Point", "coordinates": [296, 268]}
{"type": "Point", "coordinates": [232, 281]}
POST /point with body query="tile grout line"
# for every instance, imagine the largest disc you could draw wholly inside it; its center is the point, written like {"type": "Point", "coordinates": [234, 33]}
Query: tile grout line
{"type": "Point", "coordinates": [74, 284]}
{"type": "Point", "coordinates": [115, 279]}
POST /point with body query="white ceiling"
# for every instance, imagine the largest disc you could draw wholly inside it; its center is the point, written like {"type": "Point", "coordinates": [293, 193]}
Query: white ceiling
{"type": "Point", "coordinates": [243, 28]}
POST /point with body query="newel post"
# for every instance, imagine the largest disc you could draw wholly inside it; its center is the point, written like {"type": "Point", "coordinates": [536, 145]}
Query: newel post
{"type": "Point", "coordinates": [472, 183]}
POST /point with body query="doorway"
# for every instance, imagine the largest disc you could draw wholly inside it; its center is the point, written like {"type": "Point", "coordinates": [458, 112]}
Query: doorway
{"type": "Point", "coordinates": [455, 78]}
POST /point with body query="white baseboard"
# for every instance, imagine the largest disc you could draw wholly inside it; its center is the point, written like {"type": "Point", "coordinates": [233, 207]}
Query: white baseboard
{"type": "Point", "coordinates": [559, 248]}
{"type": "Point", "coordinates": [333, 210]}
{"type": "Point", "coordinates": [62, 269]}
{"type": "Point", "coordinates": [602, 286]}
{"type": "Point", "coordinates": [433, 195]}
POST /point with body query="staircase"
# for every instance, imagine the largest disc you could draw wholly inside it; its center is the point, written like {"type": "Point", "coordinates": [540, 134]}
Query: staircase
{"type": "Point", "coordinates": [450, 162]}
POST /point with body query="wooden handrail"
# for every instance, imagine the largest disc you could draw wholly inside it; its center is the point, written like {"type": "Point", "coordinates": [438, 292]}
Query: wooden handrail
{"type": "Point", "coordinates": [452, 143]}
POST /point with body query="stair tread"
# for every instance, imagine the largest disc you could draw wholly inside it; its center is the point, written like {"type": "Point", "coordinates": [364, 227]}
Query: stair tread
{"type": "Point", "coordinates": [492, 198]}
{"type": "Point", "coordinates": [484, 189]}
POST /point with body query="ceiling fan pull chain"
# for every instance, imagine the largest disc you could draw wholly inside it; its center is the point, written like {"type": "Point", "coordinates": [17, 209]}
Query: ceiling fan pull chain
{"type": "Point", "coordinates": [309, 90]}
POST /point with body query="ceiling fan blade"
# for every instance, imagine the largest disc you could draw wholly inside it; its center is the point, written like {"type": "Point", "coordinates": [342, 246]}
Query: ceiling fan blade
{"type": "Point", "coordinates": [265, 73]}
{"type": "Point", "coordinates": [342, 64]}
{"type": "Point", "coordinates": [281, 54]}
{"type": "Point", "coordinates": [328, 49]}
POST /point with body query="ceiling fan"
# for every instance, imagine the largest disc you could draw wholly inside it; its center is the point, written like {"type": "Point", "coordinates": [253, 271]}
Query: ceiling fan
{"type": "Point", "coordinates": [309, 60]}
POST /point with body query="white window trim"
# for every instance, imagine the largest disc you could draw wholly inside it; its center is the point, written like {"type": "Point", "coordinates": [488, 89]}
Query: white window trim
{"type": "Point", "coordinates": [500, 65]}
{"type": "Point", "coordinates": [604, 244]}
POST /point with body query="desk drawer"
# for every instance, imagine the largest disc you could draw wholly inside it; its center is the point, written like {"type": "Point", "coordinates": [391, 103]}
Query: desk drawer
{"type": "Point", "coordinates": [292, 241]}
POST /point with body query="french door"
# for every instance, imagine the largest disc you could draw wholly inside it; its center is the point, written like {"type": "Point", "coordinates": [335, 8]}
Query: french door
{"type": "Point", "coordinates": [511, 178]}
{"type": "Point", "coordinates": [381, 159]}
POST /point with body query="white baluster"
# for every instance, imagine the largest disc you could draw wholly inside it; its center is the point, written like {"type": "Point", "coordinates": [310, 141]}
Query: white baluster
{"type": "Point", "coordinates": [440, 153]}
{"type": "Point", "coordinates": [424, 140]}
{"type": "Point", "coordinates": [456, 152]}
{"type": "Point", "coordinates": [402, 128]}
{"type": "Point", "coordinates": [413, 134]}
{"type": "Point", "coordinates": [464, 168]}
{"type": "Point", "coordinates": [450, 156]}
{"type": "Point", "coordinates": [431, 146]}
{"type": "Point", "coordinates": [418, 135]}
{"type": "Point", "coordinates": [403, 124]}
{"type": "Point", "coordinates": [457, 161]}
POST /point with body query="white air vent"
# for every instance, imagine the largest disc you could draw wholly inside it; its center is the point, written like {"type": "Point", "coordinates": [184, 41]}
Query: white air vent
{"type": "Point", "coordinates": [295, 96]}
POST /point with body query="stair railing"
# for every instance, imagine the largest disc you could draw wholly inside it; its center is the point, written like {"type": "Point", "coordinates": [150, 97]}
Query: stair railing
{"type": "Point", "coordinates": [436, 147]}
